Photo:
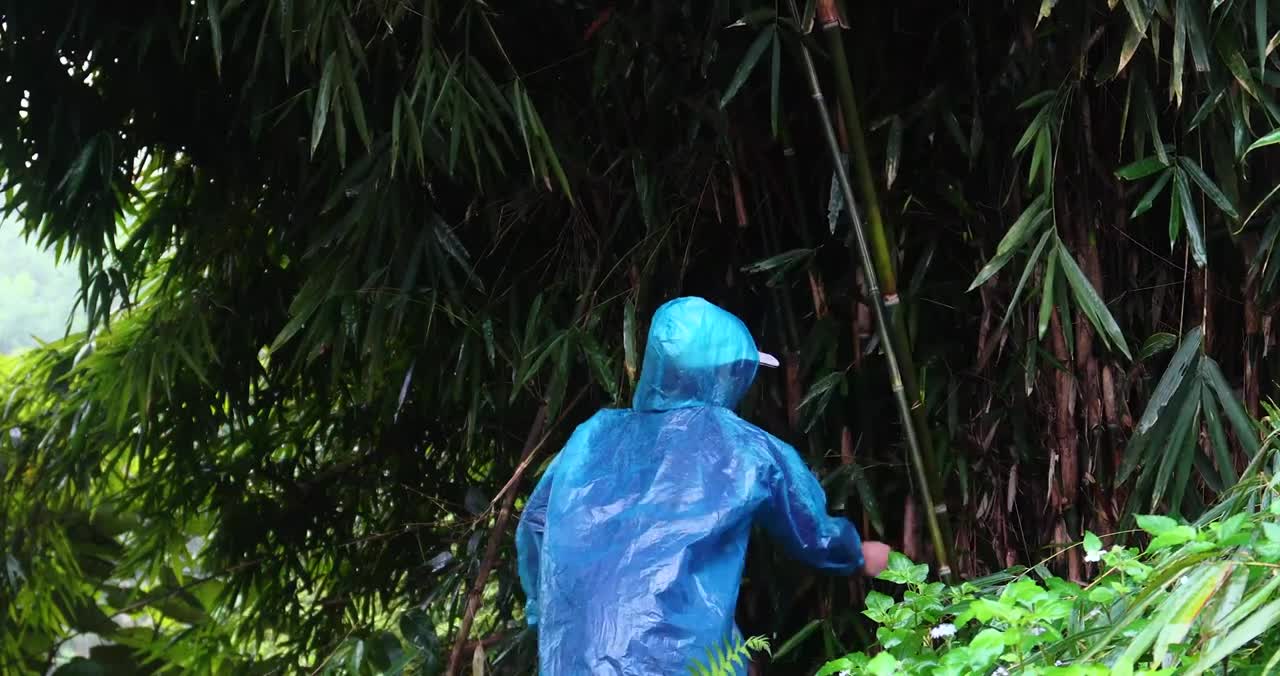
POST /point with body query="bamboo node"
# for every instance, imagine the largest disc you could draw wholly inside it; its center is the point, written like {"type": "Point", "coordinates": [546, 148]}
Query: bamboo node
{"type": "Point", "coordinates": [891, 299]}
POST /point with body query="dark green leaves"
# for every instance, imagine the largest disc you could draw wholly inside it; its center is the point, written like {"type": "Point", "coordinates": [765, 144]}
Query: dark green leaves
{"type": "Point", "coordinates": [749, 61]}
{"type": "Point", "coordinates": [1092, 305]}
{"type": "Point", "coordinates": [1172, 379]}
{"type": "Point", "coordinates": [1035, 215]}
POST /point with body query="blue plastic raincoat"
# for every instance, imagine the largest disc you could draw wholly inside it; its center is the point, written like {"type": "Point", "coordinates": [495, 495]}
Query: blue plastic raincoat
{"type": "Point", "coordinates": [632, 545]}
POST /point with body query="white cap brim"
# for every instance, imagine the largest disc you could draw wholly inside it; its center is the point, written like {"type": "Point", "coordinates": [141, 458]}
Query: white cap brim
{"type": "Point", "coordinates": [769, 360]}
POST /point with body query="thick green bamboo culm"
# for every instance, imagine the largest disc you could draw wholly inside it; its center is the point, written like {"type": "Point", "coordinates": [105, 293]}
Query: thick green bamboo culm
{"type": "Point", "coordinates": [935, 510]}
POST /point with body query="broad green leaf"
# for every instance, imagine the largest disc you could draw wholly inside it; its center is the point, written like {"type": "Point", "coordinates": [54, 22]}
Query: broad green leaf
{"type": "Point", "coordinates": [1211, 190]}
{"type": "Point", "coordinates": [1092, 305]}
{"type": "Point", "coordinates": [1149, 198]}
{"type": "Point", "coordinates": [1171, 380]}
{"type": "Point", "coordinates": [1092, 543]}
{"type": "Point", "coordinates": [748, 64]}
{"type": "Point", "coordinates": [1195, 235]}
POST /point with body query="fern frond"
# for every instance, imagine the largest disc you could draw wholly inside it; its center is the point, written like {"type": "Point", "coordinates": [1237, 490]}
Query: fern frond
{"type": "Point", "coordinates": [725, 657]}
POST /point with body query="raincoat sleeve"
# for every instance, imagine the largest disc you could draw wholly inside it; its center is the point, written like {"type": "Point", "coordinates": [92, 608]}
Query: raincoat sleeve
{"type": "Point", "coordinates": [795, 514]}
{"type": "Point", "coordinates": [533, 522]}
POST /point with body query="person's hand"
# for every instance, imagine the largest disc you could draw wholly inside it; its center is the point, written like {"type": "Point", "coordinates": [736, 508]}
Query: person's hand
{"type": "Point", "coordinates": [875, 557]}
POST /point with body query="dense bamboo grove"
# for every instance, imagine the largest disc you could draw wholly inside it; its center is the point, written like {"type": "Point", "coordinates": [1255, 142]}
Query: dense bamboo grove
{"type": "Point", "coordinates": [355, 268]}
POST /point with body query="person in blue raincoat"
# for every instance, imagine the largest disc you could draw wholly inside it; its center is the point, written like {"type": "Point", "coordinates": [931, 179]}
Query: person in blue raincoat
{"type": "Point", "coordinates": [632, 545]}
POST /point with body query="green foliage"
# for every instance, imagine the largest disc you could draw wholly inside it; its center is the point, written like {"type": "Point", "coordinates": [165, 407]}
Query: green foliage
{"type": "Point", "coordinates": [1200, 595]}
{"type": "Point", "coordinates": [336, 255]}
{"type": "Point", "coordinates": [729, 658]}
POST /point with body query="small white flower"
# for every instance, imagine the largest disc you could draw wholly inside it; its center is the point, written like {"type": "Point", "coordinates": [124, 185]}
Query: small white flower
{"type": "Point", "coordinates": [944, 630]}
{"type": "Point", "coordinates": [1000, 671]}
{"type": "Point", "coordinates": [1093, 557]}
{"type": "Point", "coordinates": [1059, 663]}
{"type": "Point", "coordinates": [1036, 631]}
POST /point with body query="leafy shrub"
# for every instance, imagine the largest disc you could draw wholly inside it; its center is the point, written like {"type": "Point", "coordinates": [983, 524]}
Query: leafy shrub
{"type": "Point", "coordinates": [1201, 597]}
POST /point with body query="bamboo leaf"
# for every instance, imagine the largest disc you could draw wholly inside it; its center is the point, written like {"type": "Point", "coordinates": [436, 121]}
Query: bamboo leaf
{"type": "Point", "coordinates": [1175, 213]}
{"type": "Point", "coordinates": [1268, 140]}
{"type": "Point", "coordinates": [775, 90]}
{"type": "Point", "coordinates": [1033, 129]}
{"type": "Point", "coordinates": [1258, 623]}
{"type": "Point", "coordinates": [783, 260]}
{"type": "Point", "coordinates": [1142, 168]}
{"type": "Point", "coordinates": [1149, 198]}
{"type": "Point", "coordinates": [215, 35]}
{"type": "Point", "coordinates": [1046, 293]}
{"type": "Point", "coordinates": [1211, 190]}
{"type": "Point", "coordinates": [1017, 235]}
{"type": "Point", "coordinates": [1157, 344]}
{"type": "Point", "coordinates": [1179, 447]}
{"type": "Point", "coordinates": [1037, 99]}
{"type": "Point", "coordinates": [1139, 15]}
{"type": "Point", "coordinates": [1260, 34]}
{"type": "Point", "coordinates": [1218, 440]}
{"type": "Point", "coordinates": [321, 113]}
{"type": "Point", "coordinates": [1179, 54]}
{"type": "Point", "coordinates": [1194, 232]}
{"type": "Point", "coordinates": [1241, 423]}
{"type": "Point", "coordinates": [1032, 261]}
{"type": "Point", "coordinates": [1196, 33]}
{"type": "Point", "coordinates": [1132, 40]}
{"type": "Point", "coordinates": [1171, 380]}
{"type": "Point", "coordinates": [1210, 104]}
{"type": "Point", "coordinates": [1041, 155]}
{"type": "Point", "coordinates": [1093, 306]}
{"type": "Point", "coordinates": [748, 64]}
{"type": "Point", "coordinates": [1153, 120]}
{"type": "Point", "coordinates": [893, 153]}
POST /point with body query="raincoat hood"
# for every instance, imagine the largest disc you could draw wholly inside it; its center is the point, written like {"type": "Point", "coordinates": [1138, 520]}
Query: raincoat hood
{"type": "Point", "coordinates": [697, 354]}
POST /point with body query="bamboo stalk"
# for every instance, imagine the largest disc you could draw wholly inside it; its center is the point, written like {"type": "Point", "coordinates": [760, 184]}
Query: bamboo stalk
{"type": "Point", "coordinates": [935, 512]}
